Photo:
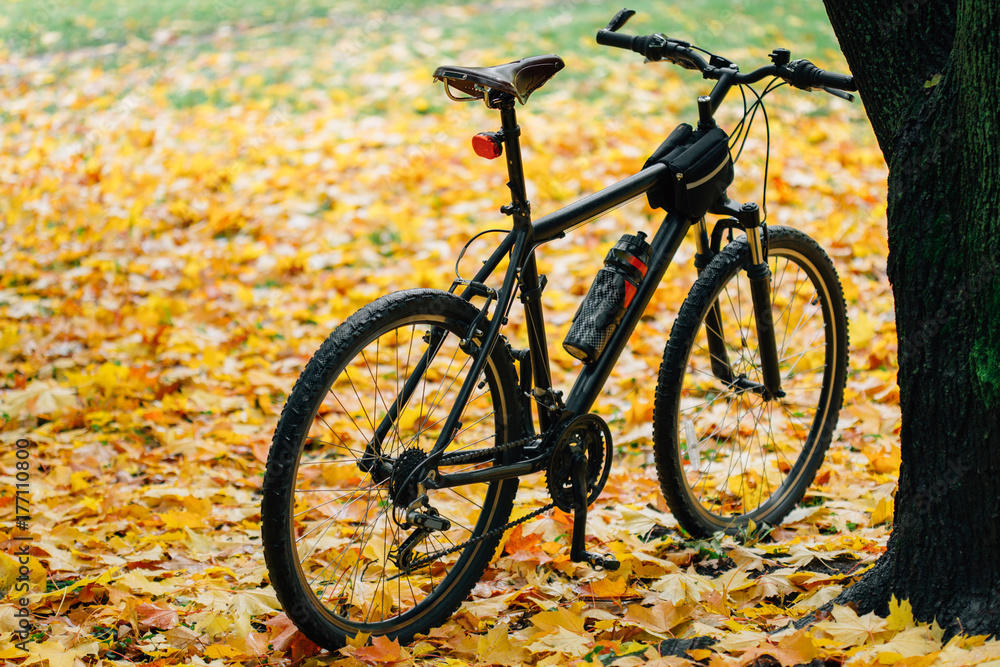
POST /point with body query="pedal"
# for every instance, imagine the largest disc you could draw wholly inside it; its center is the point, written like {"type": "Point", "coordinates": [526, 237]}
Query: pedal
{"type": "Point", "coordinates": [609, 562]}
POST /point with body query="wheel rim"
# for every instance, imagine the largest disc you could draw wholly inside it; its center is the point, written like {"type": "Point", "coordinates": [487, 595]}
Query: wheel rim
{"type": "Point", "coordinates": [753, 453]}
{"type": "Point", "coordinates": [343, 524]}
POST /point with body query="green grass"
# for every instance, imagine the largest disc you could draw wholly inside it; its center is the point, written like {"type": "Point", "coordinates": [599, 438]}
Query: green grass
{"type": "Point", "coordinates": [34, 27]}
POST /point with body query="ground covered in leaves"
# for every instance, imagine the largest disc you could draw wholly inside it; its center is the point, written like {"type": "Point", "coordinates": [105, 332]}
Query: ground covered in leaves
{"type": "Point", "coordinates": [187, 216]}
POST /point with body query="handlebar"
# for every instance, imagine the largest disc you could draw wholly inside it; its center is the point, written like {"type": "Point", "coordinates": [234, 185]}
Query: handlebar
{"type": "Point", "coordinates": [801, 74]}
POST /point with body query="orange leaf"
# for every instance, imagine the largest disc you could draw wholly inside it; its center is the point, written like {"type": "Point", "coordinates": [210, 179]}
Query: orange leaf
{"type": "Point", "coordinates": [795, 649]}
{"type": "Point", "coordinates": [609, 587]}
{"type": "Point", "coordinates": [381, 651]}
{"type": "Point", "coordinates": [159, 615]}
{"type": "Point", "coordinates": [280, 630]}
{"type": "Point", "coordinates": [658, 619]}
{"type": "Point", "coordinates": [519, 542]}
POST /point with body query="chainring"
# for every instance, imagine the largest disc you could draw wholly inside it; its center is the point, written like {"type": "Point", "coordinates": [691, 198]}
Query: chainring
{"type": "Point", "coordinates": [590, 433]}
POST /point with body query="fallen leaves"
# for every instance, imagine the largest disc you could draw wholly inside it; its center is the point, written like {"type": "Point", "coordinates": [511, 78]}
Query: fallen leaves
{"type": "Point", "coordinates": [170, 264]}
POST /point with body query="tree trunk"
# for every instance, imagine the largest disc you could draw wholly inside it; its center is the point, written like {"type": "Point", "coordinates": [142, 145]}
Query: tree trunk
{"type": "Point", "coordinates": [929, 74]}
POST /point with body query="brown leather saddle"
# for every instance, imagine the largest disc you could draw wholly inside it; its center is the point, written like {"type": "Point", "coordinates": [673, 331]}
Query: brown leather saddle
{"type": "Point", "coordinates": [519, 78]}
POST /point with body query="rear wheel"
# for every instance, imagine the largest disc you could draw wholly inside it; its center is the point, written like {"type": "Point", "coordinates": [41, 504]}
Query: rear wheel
{"type": "Point", "coordinates": [333, 517]}
{"type": "Point", "coordinates": [724, 454]}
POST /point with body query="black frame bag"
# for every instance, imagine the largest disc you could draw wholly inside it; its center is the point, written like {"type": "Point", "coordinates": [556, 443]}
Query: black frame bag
{"type": "Point", "coordinates": [700, 169]}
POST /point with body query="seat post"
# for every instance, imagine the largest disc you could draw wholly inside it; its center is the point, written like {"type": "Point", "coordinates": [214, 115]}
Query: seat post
{"type": "Point", "coordinates": [519, 208]}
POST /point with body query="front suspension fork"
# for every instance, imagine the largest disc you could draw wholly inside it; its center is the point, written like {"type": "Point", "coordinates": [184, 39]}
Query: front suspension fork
{"type": "Point", "coordinates": [760, 293]}
{"type": "Point", "coordinates": [759, 276]}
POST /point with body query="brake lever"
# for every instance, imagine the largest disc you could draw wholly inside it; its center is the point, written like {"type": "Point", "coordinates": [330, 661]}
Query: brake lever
{"type": "Point", "coordinates": [838, 93]}
{"type": "Point", "coordinates": [620, 19]}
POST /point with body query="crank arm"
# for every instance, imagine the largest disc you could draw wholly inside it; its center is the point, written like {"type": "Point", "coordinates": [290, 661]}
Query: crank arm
{"type": "Point", "coordinates": [577, 553]}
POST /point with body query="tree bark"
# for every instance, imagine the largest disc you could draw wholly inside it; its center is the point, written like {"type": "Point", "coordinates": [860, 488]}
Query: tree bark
{"type": "Point", "coordinates": [928, 73]}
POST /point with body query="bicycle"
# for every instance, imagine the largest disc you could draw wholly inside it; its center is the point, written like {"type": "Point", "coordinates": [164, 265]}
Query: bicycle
{"type": "Point", "coordinates": [393, 470]}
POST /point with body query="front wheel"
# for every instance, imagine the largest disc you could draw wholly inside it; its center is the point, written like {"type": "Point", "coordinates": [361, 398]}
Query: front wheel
{"type": "Point", "coordinates": [342, 554]}
{"type": "Point", "coordinates": [725, 455]}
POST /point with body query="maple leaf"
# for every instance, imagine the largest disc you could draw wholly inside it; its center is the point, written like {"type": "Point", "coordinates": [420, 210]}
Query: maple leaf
{"type": "Point", "coordinates": [280, 631]}
{"type": "Point", "coordinates": [849, 629]}
{"type": "Point", "coordinates": [900, 615]}
{"type": "Point", "coordinates": [160, 615]}
{"type": "Point", "coordinates": [380, 652]}
{"type": "Point", "coordinates": [609, 587]}
{"type": "Point", "coordinates": [567, 618]}
{"type": "Point", "coordinates": [562, 640]}
{"type": "Point", "coordinates": [223, 651]}
{"type": "Point", "coordinates": [740, 642]}
{"type": "Point", "coordinates": [495, 648]}
{"type": "Point", "coordinates": [910, 643]}
{"type": "Point", "coordinates": [659, 619]}
{"type": "Point", "coordinates": [677, 587]}
{"type": "Point", "coordinates": [775, 583]}
{"type": "Point", "coordinates": [182, 638]}
{"type": "Point", "coordinates": [59, 655]}
{"type": "Point", "coordinates": [41, 397]}
{"type": "Point", "coordinates": [793, 649]}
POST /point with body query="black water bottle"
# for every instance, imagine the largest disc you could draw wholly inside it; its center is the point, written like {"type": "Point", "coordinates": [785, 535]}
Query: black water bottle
{"type": "Point", "coordinates": [613, 290]}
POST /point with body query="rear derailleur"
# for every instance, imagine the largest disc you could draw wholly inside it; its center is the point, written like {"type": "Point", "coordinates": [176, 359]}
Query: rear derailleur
{"type": "Point", "coordinates": [411, 507]}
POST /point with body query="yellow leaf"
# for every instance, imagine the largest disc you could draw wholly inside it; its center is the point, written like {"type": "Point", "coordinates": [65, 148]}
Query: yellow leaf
{"type": "Point", "coordinates": [182, 519]}
{"type": "Point", "coordinates": [8, 571]}
{"type": "Point", "coordinates": [900, 615]}
{"type": "Point", "coordinates": [12, 652]}
{"type": "Point", "coordinates": [8, 337]}
{"type": "Point", "coordinates": [495, 648]}
{"type": "Point", "coordinates": [141, 584]}
{"type": "Point", "coordinates": [659, 619]}
{"type": "Point", "coordinates": [910, 643]}
{"type": "Point", "coordinates": [609, 587]}
{"type": "Point", "coordinates": [60, 656]}
{"type": "Point", "coordinates": [849, 629]}
{"type": "Point", "coordinates": [563, 641]}
{"type": "Point", "coordinates": [568, 618]}
{"type": "Point", "coordinates": [883, 511]}
{"type": "Point", "coordinates": [110, 377]}
{"type": "Point", "coordinates": [862, 330]}
{"type": "Point", "coordinates": [216, 651]}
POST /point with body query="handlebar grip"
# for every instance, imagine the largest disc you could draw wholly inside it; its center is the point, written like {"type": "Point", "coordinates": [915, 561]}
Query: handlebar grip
{"type": "Point", "coordinates": [805, 75]}
{"type": "Point", "coordinates": [616, 39]}
{"type": "Point", "coordinates": [644, 45]}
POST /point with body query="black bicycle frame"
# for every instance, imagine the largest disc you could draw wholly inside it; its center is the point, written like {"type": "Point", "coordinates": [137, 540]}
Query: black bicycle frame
{"type": "Point", "coordinates": [522, 273]}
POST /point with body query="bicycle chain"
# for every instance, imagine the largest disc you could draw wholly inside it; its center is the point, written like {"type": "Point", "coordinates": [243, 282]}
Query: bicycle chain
{"type": "Point", "coordinates": [451, 459]}
{"type": "Point", "coordinates": [427, 560]}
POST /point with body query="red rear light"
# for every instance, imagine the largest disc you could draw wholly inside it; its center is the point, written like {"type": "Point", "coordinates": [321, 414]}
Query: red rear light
{"type": "Point", "coordinates": [487, 145]}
